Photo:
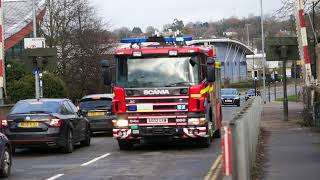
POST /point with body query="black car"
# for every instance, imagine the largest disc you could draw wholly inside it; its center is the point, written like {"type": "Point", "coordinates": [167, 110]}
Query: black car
{"type": "Point", "coordinates": [97, 108]}
{"type": "Point", "coordinates": [230, 96]}
{"type": "Point", "coordinates": [5, 156]}
{"type": "Point", "coordinates": [46, 122]}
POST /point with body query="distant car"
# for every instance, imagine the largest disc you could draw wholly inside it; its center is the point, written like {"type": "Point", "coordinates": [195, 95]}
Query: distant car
{"type": "Point", "coordinates": [6, 156]}
{"type": "Point", "coordinates": [230, 96]}
{"type": "Point", "coordinates": [46, 122]}
{"type": "Point", "coordinates": [97, 108]}
{"type": "Point", "coordinates": [250, 93]}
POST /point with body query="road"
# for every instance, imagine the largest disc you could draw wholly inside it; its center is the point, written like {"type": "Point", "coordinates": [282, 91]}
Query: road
{"type": "Point", "coordinates": [103, 160]}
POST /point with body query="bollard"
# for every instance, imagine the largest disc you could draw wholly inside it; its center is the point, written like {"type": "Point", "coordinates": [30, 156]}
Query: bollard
{"type": "Point", "coordinates": [226, 153]}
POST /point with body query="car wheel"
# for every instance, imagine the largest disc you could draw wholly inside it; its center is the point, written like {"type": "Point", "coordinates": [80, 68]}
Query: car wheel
{"type": "Point", "coordinates": [6, 163]}
{"type": "Point", "coordinates": [13, 151]}
{"type": "Point", "coordinates": [238, 104]}
{"type": "Point", "coordinates": [68, 147]}
{"type": "Point", "coordinates": [87, 140]}
{"type": "Point", "coordinates": [217, 134]}
{"type": "Point", "coordinates": [125, 145]}
{"type": "Point", "coordinates": [204, 142]}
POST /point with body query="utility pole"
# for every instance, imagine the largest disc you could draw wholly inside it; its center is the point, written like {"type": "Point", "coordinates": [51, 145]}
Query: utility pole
{"type": "Point", "coordinates": [248, 35]}
{"type": "Point", "coordinates": [38, 80]}
{"type": "Point", "coordinates": [2, 63]}
{"type": "Point", "coordinates": [263, 54]}
{"type": "Point", "coordinates": [295, 79]}
{"type": "Point", "coordinates": [284, 57]}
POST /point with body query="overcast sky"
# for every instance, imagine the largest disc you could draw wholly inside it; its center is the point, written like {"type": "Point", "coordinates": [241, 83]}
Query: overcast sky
{"type": "Point", "coordinates": [143, 13]}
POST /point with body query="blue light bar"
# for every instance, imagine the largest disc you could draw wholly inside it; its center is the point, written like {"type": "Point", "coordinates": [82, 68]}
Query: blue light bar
{"type": "Point", "coordinates": [168, 40]}
{"type": "Point", "coordinates": [129, 40]}
{"type": "Point", "coordinates": [178, 39]}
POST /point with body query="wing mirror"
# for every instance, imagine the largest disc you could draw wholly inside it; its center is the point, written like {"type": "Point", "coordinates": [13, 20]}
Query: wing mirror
{"type": "Point", "coordinates": [106, 68]}
{"type": "Point", "coordinates": [211, 71]}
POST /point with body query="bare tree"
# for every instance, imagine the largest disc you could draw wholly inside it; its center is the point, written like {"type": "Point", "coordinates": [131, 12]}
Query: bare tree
{"type": "Point", "coordinates": [82, 41]}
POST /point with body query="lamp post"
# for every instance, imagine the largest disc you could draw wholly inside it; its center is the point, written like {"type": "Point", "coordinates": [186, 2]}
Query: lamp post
{"type": "Point", "coordinates": [263, 54]}
{"type": "Point", "coordinates": [2, 63]}
{"type": "Point", "coordinates": [38, 79]}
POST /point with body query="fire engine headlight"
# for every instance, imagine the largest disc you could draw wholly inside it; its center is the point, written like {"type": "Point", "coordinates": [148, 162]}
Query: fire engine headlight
{"type": "Point", "coordinates": [193, 121]}
{"type": "Point", "coordinates": [121, 123]}
{"type": "Point", "coordinates": [196, 121]}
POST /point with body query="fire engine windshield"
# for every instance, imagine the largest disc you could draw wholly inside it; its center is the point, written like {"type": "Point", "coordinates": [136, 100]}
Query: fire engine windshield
{"type": "Point", "coordinates": [157, 72]}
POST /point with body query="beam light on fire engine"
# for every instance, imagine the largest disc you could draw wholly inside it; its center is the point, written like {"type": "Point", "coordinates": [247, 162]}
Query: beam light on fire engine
{"type": "Point", "coordinates": [122, 123]}
{"type": "Point", "coordinates": [166, 39]}
{"type": "Point", "coordinates": [181, 107]}
{"type": "Point", "coordinates": [173, 53]}
{"type": "Point", "coordinates": [132, 108]}
{"type": "Point", "coordinates": [137, 54]}
{"type": "Point", "coordinates": [196, 121]}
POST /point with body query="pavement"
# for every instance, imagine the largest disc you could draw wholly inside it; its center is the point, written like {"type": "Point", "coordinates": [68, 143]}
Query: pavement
{"type": "Point", "coordinates": [291, 151]}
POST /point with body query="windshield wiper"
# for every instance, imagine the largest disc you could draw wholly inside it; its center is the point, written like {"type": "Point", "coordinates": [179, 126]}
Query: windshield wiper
{"type": "Point", "coordinates": [178, 83]}
{"type": "Point", "coordinates": [140, 84]}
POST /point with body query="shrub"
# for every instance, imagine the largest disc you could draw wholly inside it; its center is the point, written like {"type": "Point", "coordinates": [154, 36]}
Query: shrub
{"type": "Point", "coordinates": [24, 88]}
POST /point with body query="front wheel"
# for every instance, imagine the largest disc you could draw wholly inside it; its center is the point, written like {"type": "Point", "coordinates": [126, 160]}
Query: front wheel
{"type": "Point", "coordinates": [204, 142]}
{"type": "Point", "coordinates": [217, 134]}
{"type": "Point", "coordinates": [125, 145]}
{"type": "Point", "coordinates": [6, 163]}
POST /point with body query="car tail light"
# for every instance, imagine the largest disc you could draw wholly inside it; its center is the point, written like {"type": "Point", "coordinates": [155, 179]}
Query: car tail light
{"type": "Point", "coordinates": [4, 123]}
{"type": "Point", "coordinates": [55, 122]}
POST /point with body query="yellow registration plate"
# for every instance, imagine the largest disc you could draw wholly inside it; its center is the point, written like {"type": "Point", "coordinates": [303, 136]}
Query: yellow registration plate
{"type": "Point", "coordinates": [94, 113]}
{"type": "Point", "coordinates": [28, 124]}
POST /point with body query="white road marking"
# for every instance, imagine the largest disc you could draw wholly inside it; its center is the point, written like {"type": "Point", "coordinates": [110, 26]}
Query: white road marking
{"type": "Point", "coordinates": [95, 159]}
{"type": "Point", "coordinates": [55, 177]}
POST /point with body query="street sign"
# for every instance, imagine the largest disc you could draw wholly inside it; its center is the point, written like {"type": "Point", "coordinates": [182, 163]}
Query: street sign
{"type": "Point", "coordinates": [273, 45]}
{"type": "Point", "coordinates": [33, 43]}
{"type": "Point", "coordinates": [34, 72]}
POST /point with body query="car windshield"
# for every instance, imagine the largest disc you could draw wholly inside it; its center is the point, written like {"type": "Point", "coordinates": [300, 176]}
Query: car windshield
{"type": "Point", "coordinates": [250, 91]}
{"type": "Point", "coordinates": [229, 92]}
{"type": "Point", "coordinates": [157, 72]}
{"type": "Point", "coordinates": [92, 104]}
{"type": "Point", "coordinates": [26, 107]}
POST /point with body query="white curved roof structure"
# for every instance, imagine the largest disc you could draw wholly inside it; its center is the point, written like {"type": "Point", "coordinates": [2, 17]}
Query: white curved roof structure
{"type": "Point", "coordinates": [245, 48]}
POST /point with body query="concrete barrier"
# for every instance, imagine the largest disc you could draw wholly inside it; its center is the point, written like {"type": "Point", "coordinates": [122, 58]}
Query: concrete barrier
{"type": "Point", "coordinates": [240, 139]}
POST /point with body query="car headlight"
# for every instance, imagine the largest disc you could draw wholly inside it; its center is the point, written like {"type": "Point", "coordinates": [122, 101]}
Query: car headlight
{"type": "Point", "coordinates": [237, 97]}
{"type": "Point", "coordinates": [196, 121]}
{"type": "Point", "coordinates": [121, 123]}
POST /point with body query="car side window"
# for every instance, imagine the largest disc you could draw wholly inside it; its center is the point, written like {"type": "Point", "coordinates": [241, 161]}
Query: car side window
{"type": "Point", "coordinates": [73, 107]}
{"type": "Point", "coordinates": [68, 108]}
{"type": "Point", "coordinates": [64, 110]}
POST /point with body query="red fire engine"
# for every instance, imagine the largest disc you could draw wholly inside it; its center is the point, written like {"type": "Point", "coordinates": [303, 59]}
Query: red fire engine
{"type": "Point", "coordinates": [165, 90]}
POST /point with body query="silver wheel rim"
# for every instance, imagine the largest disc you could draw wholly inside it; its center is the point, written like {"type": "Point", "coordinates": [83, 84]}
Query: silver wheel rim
{"type": "Point", "coordinates": [6, 161]}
